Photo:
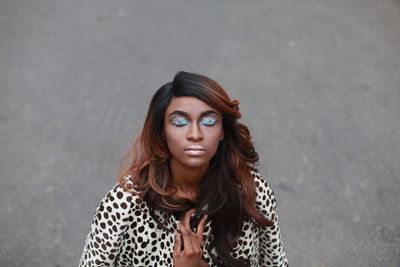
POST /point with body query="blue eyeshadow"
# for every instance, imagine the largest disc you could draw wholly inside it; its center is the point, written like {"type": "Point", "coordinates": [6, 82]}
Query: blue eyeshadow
{"type": "Point", "coordinates": [209, 121]}
{"type": "Point", "coordinates": [179, 121]}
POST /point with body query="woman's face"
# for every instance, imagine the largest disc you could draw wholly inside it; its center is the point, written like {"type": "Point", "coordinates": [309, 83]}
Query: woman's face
{"type": "Point", "coordinates": [192, 131]}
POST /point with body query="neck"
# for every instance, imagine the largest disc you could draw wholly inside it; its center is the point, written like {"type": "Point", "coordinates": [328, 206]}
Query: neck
{"type": "Point", "coordinates": [186, 179]}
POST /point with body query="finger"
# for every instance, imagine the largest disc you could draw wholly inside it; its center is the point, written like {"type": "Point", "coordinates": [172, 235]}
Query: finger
{"type": "Point", "coordinates": [200, 227]}
{"type": "Point", "coordinates": [177, 245]}
{"type": "Point", "coordinates": [186, 218]}
{"type": "Point", "coordinates": [187, 240]}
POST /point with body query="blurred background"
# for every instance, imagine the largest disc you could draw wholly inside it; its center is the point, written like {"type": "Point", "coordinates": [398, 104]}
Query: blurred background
{"type": "Point", "coordinates": [319, 87]}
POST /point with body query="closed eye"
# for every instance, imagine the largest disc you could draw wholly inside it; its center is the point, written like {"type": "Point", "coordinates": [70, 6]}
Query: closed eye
{"type": "Point", "coordinates": [179, 121]}
{"type": "Point", "coordinates": [208, 121]}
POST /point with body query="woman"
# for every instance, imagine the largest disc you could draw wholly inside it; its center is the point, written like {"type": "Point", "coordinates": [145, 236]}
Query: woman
{"type": "Point", "coordinates": [191, 195]}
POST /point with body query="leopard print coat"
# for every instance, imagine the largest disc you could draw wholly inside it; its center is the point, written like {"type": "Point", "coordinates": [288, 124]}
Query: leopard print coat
{"type": "Point", "coordinates": [124, 234]}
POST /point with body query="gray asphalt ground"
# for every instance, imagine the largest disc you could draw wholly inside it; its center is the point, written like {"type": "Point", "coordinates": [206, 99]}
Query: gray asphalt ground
{"type": "Point", "coordinates": [319, 86]}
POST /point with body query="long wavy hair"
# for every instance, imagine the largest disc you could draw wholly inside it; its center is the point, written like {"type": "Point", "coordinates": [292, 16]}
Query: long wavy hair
{"type": "Point", "coordinates": [227, 187]}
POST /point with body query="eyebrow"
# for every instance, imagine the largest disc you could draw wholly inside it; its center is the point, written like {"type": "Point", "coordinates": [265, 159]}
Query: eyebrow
{"type": "Point", "coordinates": [182, 113]}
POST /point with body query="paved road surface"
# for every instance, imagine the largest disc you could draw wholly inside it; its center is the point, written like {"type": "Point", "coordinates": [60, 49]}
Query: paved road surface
{"type": "Point", "coordinates": [319, 85]}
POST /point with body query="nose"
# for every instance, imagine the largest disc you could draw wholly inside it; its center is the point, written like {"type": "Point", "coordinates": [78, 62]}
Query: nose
{"type": "Point", "coordinates": [194, 133]}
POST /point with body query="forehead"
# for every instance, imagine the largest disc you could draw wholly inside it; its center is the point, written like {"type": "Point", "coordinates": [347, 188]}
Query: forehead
{"type": "Point", "coordinates": [188, 104]}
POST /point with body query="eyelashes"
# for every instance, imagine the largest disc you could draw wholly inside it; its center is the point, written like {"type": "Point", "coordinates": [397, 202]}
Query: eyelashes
{"type": "Point", "coordinates": [181, 121]}
{"type": "Point", "coordinates": [208, 121]}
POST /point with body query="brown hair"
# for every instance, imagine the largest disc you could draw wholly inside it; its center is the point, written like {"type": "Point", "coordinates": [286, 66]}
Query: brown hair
{"type": "Point", "coordinates": [227, 188]}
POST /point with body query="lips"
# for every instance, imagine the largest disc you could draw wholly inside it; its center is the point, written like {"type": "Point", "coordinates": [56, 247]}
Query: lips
{"type": "Point", "coordinates": [194, 150]}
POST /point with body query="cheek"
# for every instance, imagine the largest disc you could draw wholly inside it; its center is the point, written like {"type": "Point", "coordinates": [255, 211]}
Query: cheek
{"type": "Point", "coordinates": [214, 141]}
{"type": "Point", "coordinates": [173, 139]}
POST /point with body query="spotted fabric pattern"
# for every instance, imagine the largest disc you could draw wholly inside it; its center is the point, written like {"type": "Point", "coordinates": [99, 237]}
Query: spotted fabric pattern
{"type": "Point", "coordinates": [124, 234]}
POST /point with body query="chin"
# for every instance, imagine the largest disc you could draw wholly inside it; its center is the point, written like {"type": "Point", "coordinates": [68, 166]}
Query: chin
{"type": "Point", "coordinates": [194, 162]}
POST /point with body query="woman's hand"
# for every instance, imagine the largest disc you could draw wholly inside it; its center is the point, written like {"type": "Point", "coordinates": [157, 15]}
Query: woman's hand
{"type": "Point", "coordinates": [190, 254]}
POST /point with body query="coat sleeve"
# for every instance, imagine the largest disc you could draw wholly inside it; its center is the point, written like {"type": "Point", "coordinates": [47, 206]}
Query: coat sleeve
{"type": "Point", "coordinates": [108, 227]}
{"type": "Point", "coordinates": [271, 248]}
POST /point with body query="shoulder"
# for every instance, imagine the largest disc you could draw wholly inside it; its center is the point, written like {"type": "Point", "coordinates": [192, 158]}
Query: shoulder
{"type": "Point", "coordinates": [116, 212]}
{"type": "Point", "coordinates": [118, 204]}
{"type": "Point", "coordinates": [118, 196]}
{"type": "Point", "coordinates": [263, 189]}
{"type": "Point", "coordinates": [265, 197]}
